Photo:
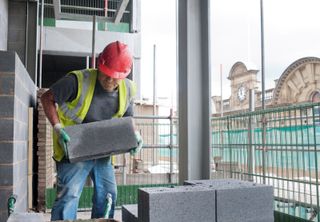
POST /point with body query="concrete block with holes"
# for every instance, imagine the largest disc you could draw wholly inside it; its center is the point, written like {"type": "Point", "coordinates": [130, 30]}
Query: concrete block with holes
{"type": "Point", "coordinates": [100, 139]}
{"type": "Point", "coordinates": [129, 213]}
{"type": "Point", "coordinates": [238, 200]}
{"type": "Point", "coordinates": [179, 204]}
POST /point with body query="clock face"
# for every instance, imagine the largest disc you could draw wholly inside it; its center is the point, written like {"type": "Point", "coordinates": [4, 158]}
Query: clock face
{"type": "Point", "coordinates": [241, 93]}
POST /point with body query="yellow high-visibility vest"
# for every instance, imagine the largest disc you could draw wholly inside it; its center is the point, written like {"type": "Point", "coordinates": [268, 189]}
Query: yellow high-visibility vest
{"type": "Point", "coordinates": [74, 112]}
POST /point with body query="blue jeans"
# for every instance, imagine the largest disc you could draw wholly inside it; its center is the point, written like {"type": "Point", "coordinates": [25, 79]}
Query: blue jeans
{"type": "Point", "coordinates": [71, 178]}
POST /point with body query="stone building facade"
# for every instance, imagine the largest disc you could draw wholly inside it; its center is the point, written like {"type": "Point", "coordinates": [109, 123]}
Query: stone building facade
{"type": "Point", "coordinates": [299, 83]}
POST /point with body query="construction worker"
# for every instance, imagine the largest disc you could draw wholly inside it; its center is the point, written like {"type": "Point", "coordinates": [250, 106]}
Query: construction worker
{"type": "Point", "coordinates": [86, 96]}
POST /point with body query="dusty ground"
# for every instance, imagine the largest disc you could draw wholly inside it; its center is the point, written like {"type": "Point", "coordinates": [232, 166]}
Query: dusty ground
{"type": "Point", "coordinates": [86, 215]}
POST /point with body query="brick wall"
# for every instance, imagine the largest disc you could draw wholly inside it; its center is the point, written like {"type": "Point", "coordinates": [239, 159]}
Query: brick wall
{"type": "Point", "coordinates": [46, 175]}
{"type": "Point", "coordinates": [17, 94]}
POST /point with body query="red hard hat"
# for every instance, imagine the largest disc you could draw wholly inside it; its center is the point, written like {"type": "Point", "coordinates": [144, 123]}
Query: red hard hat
{"type": "Point", "coordinates": [115, 60]}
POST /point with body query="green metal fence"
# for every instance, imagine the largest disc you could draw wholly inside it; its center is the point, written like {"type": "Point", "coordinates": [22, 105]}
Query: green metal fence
{"type": "Point", "coordinates": [279, 147]}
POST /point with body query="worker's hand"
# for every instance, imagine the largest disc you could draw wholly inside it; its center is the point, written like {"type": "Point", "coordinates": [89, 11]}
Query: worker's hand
{"type": "Point", "coordinates": [62, 135]}
{"type": "Point", "coordinates": [137, 149]}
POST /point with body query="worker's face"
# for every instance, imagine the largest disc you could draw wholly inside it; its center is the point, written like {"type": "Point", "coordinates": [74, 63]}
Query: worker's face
{"type": "Point", "coordinates": [109, 84]}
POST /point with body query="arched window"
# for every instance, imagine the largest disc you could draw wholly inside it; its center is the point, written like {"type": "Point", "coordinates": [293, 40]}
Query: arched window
{"type": "Point", "coordinates": [315, 97]}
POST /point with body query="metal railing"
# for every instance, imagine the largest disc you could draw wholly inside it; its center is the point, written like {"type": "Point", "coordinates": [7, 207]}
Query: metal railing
{"type": "Point", "coordinates": [157, 162]}
{"type": "Point", "coordinates": [278, 147]}
{"type": "Point", "coordinates": [101, 8]}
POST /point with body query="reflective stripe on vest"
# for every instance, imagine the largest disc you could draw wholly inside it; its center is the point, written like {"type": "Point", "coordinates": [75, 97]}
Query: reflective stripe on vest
{"type": "Point", "coordinates": [83, 88]}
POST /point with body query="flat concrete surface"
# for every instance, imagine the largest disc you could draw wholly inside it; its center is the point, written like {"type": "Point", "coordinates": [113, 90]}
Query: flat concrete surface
{"type": "Point", "coordinates": [86, 215]}
{"type": "Point", "coordinates": [100, 139]}
{"type": "Point", "coordinates": [26, 217]}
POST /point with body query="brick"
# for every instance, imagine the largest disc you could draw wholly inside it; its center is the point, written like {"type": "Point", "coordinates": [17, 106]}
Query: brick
{"type": "Point", "coordinates": [3, 215]}
{"type": "Point", "coordinates": [6, 152]}
{"type": "Point", "coordinates": [6, 129]}
{"type": "Point", "coordinates": [129, 213]}
{"type": "Point", "coordinates": [7, 61]}
{"type": "Point", "coordinates": [6, 110]}
{"type": "Point", "coordinates": [6, 175]}
{"type": "Point", "coordinates": [100, 139]}
{"type": "Point", "coordinates": [4, 195]}
{"type": "Point", "coordinates": [6, 84]}
{"type": "Point", "coordinates": [179, 204]}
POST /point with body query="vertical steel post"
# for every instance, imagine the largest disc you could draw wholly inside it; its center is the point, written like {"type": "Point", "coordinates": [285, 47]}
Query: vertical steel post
{"type": "Point", "coordinates": [251, 135]}
{"type": "Point", "coordinates": [87, 62]}
{"type": "Point", "coordinates": [230, 147]}
{"type": "Point", "coordinates": [124, 169]}
{"type": "Point", "coordinates": [93, 62]}
{"type": "Point", "coordinates": [221, 108]}
{"type": "Point", "coordinates": [194, 74]}
{"type": "Point", "coordinates": [41, 48]}
{"type": "Point", "coordinates": [264, 121]}
{"type": "Point", "coordinates": [171, 145]}
{"type": "Point", "coordinates": [154, 105]}
{"type": "Point", "coordinates": [316, 160]}
{"type": "Point", "coordinates": [26, 35]}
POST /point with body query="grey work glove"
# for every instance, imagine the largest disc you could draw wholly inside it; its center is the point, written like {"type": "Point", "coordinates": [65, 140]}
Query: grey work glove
{"type": "Point", "coordinates": [63, 137]}
{"type": "Point", "coordinates": [137, 149]}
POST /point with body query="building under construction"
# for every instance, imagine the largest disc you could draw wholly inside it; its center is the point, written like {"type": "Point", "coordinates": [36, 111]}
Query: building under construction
{"type": "Point", "coordinates": [242, 166]}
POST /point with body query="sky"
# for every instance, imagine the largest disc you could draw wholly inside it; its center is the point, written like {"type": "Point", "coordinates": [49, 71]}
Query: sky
{"type": "Point", "coordinates": [291, 28]}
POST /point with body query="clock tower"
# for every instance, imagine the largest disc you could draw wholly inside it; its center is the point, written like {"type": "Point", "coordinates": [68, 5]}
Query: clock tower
{"type": "Point", "coordinates": [243, 78]}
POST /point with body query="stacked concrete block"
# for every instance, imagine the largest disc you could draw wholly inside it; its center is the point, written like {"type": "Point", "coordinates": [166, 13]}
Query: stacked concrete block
{"type": "Point", "coordinates": [45, 152]}
{"type": "Point", "coordinates": [17, 94]}
{"type": "Point", "coordinates": [179, 204]}
{"type": "Point", "coordinates": [240, 200]}
{"type": "Point", "coordinates": [100, 139]}
{"type": "Point", "coordinates": [129, 213]}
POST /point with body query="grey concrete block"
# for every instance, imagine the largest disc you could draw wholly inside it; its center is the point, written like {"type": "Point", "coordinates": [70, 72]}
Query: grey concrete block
{"type": "Point", "coordinates": [129, 213]}
{"type": "Point", "coordinates": [100, 139]}
{"type": "Point", "coordinates": [179, 204]}
{"type": "Point", "coordinates": [245, 204]}
{"type": "Point", "coordinates": [6, 84]}
{"type": "Point", "coordinates": [3, 215]}
{"type": "Point", "coordinates": [238, 200]}
{"type": "Point", "coordinates": [6, 175]}
{"type": "Point", "coordinates": [6, 152]}
{"type": "Point", "coordinates": [6, 129]}
{"type": "Point", "coordinates": [7, 61]}
{"type": "Point", "coordinates": [5, 193]}
{"type": "Point", "coordinates": [220, 183]}
{"type": "Point", "coordinates": [26, 217]}
{"type": "Point", "coordinates": [6, 106]}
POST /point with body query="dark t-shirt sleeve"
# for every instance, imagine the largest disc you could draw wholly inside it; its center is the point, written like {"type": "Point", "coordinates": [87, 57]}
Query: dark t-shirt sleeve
{"type": "Point", "coordinates": [129, 111]}
{"type": "Point", "coordinates": [65, 89]}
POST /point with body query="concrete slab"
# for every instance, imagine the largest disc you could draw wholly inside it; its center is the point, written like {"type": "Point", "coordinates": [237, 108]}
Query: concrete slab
{"type": "Point", "coordinates": [179, 204]}
{"type": "Point", "coordinates": [130, 213]}
{"type": "Point", "coordinates": [26, 217]}
{"type": "Point", "coordinates": [100, 139]}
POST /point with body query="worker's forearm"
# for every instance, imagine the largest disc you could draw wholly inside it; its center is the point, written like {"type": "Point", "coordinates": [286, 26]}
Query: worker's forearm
{"type": "Point", "coordinates": [49, 107]}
